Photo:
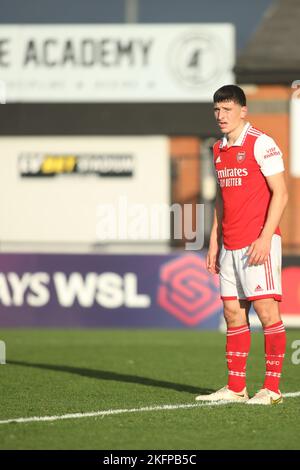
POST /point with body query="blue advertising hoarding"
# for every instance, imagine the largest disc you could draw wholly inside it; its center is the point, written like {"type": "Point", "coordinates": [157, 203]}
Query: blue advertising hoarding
{"type": "Point", "coordinates": [134, 291]}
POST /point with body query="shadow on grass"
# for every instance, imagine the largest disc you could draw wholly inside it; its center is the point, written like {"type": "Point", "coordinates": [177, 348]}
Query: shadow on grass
{"type": "Point", "coordinates": [107, 375]}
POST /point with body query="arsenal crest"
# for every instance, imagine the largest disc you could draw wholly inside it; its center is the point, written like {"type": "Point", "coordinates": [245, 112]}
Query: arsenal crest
{"type": "Point", "coordinates": [241, 157]}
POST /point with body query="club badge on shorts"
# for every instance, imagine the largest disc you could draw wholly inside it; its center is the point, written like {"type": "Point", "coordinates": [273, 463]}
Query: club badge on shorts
{"type": "Point", "coordinates": [241, 157]}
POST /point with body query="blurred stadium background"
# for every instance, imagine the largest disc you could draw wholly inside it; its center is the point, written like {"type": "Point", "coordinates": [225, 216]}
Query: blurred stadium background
{"type": "Point", "coordinates": [107, 104]}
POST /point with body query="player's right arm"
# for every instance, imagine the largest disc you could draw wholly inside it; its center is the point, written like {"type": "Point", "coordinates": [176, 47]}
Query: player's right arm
{"type": "Point", "coordinates": [215, 241]}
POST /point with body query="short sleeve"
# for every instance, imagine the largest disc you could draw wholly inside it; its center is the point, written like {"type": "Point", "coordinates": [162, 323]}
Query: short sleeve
{"type": "Point", "coordinates": [268, 155]}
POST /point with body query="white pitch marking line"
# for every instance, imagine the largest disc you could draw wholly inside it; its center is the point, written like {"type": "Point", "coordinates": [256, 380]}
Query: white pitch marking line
{"type": "Point", "coordinates": [94, 414]}
{"type": "Point", "coordinates": [291, 394]}
{"type": "Point", "coordinates": [110, 412]}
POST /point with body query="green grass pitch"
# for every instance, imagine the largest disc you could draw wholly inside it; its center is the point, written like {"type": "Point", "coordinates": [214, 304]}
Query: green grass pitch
{"type": "Point", "coordinates": [56, 372]}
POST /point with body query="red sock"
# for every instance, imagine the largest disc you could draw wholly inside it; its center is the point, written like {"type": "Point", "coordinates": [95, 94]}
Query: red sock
{"type": "Point", "coordinates": [237, 349]}
{"type": "Point", "coordinates": [275, 343]}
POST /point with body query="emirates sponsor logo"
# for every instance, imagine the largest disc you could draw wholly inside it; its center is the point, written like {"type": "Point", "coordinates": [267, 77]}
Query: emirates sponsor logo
{"type": "Point", "coordinates": [232, 172]}
{"type": "Point", "coordinates": [229, 177]}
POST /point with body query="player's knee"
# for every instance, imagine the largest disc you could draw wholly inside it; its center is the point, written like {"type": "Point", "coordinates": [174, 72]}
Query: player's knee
{"type": "Point", "coordinates": [267, 312]}
{"type": "Point", "coordinates": [264, 316]}
{"type": "Point", "coordinates": [230, 314]}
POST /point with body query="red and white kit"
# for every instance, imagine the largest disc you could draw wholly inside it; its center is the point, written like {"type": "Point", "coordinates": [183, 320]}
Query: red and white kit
{"type": "Point", "coordinates": [241, 170]}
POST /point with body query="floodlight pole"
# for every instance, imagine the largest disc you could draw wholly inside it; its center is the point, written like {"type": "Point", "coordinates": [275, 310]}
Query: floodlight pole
{"type": "Point", "coordinates": [131, 11]}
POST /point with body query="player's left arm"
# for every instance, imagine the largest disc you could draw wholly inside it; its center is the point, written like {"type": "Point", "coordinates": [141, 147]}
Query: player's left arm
{"type": "Point", "coordinates": [259, 250]}
{"type": "Point", "coordinates": [273, 170]}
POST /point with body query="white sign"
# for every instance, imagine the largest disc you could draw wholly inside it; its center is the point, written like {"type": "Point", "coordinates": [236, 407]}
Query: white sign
{"type": "Point", "coordinates": [64, 189]}
{"type": "Point", "coordinates": [115, 63]}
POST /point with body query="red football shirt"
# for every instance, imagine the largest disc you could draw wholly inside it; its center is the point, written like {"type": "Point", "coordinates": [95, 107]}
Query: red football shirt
{"type": "Point", "coordinates": [241, 170]}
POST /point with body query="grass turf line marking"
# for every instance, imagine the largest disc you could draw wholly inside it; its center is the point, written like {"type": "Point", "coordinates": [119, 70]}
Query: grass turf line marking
{"type": "Point", "coordinates": [94, 414]}
{"type": "Point", "coordinates": [291, 394]}
{"type": "Point", "coordinates": [110, 412]}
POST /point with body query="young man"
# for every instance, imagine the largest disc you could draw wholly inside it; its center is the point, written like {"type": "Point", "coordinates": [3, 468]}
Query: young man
{"type": "Point", "coordinates": [245, 244]}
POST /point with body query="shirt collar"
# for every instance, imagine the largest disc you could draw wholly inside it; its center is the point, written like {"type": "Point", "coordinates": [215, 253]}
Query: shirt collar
{"type": "Point", "coordinates": [240, 138]}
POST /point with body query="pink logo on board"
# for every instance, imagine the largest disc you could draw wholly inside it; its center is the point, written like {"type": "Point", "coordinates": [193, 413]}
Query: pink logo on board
{"type": "Point", "coordinates": [188, 291]}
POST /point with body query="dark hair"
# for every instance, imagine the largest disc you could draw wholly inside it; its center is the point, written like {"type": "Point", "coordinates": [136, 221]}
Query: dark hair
{"type": "Point", "coordinates": [230, 93]}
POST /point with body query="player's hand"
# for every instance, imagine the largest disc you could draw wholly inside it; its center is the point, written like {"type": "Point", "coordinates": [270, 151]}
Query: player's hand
{"type": "Point", "coordinates": [259, 251]}
{"type": "Point", "coordinates": [212, 259]}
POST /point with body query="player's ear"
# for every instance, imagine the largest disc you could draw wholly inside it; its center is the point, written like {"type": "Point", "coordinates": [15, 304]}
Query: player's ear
{"type": "Point", "coordinates": [244, 111]}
